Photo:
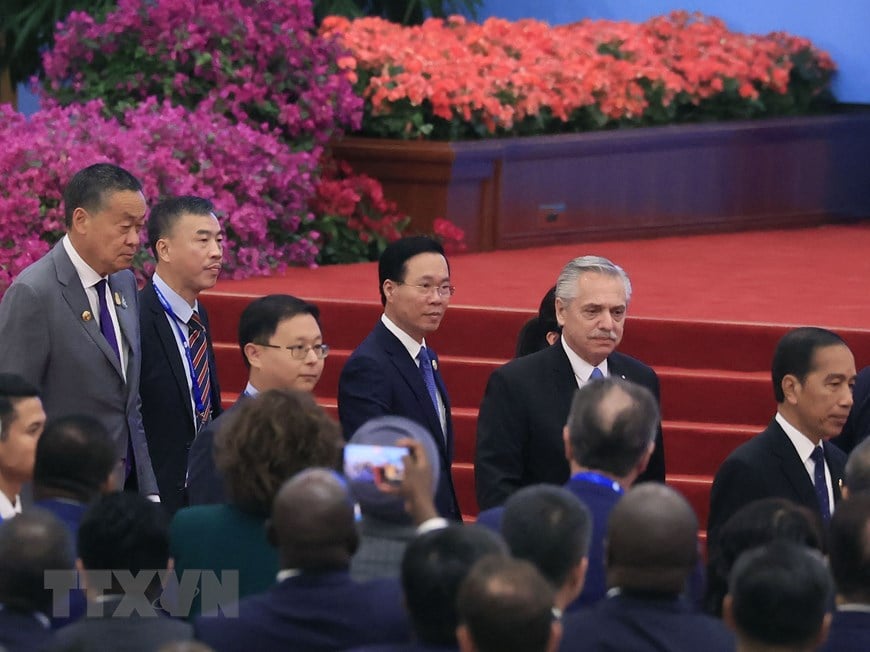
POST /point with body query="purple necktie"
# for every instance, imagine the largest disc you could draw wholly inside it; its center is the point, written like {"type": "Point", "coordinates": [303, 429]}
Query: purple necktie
{"type": "Point", "coordinates": [820, 484]}
{"type": "Point", "coordinates": [107, 328]}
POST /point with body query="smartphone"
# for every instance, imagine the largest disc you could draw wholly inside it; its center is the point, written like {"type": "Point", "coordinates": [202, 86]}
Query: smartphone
{"type": "Point", "coordinates": [367, 463]}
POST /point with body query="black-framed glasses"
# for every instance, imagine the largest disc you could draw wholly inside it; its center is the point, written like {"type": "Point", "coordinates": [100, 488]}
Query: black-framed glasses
{"type": "Point", "coordinates": [300, 351]}
{"type": "Point", "coordinates": [444, 290]}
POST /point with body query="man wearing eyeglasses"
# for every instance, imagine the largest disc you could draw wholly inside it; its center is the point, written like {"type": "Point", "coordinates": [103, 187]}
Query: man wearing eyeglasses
{"type": "Point", "coordinates": [393, 371]}
{"type": "Point", "coordinates": [178, 383]}
{"type": "Point", "coordinates": [282, 346]}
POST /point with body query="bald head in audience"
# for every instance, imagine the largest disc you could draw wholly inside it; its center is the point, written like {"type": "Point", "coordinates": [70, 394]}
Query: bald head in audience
{"type": "Point", "coordinates": [652, 541]}
{"type": "Point", "coordinates": [312, 522]}
{"type": "Point", "coordinates": [506, 605]}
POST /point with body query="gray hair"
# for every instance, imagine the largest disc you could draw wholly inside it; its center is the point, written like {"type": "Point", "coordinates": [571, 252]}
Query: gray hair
{"type": "Point", "coordinates": [566, 284]}
{"type": "Point", "coordinates": [857, 473]}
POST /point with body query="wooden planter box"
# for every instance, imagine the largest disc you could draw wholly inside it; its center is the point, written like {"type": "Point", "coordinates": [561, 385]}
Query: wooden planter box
{"type": "Point", "coordinates": [508, 193]}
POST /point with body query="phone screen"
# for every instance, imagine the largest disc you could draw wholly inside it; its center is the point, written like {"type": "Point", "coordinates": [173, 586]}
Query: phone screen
{"type": "Point", "coordinates": [366, 462]}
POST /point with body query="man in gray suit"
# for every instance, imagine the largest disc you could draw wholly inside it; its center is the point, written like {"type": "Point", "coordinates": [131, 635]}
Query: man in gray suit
{"type": "Point", "coordinates": [70, 321]}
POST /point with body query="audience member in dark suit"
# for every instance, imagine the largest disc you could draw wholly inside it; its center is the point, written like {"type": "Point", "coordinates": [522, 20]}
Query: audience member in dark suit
{"type": "Point", "coordinates": [857, 426]}
{"type": "Point", "coordinates": [53, 334]}
{"type": "Point", "coordinates": [22, 420]}
{"type": "Point", "coordinates": [778, 598]}
{"type": "Point", "coordinates": [753, 525]}
{"type": "Point", "coordinates": [393, 371]}
{"type": "Point", "coordinates": [30, 544]}
{"type": "Point", "coordinates": [542, 330]}
{"type": "Point", "coordinates": [550, 527]}
{"type": "Point", "coordinates": [315, 606]}
{"type": "Point", "coordinates": [179, 382]}
{"type": "Point", "coordinates": [282, 346]}
{"type": "Point", "coordinates": [391, 514]}
{"type": "Point", "coordinates": [526, 403]}
{"type": "Point", "coordinates": [856, 475]}
{"type": "Point", "coordinates": [652, 550]}
{"type": "Point", "coordinates": [264, 441]}
{"type": "Point", "coordinates": [122, 532]}
{"type": "Point", "coordinates": [849, 554]}
{"type": "Point", "coordinates": [608, 440]}
{"type": "Point", "coordinates": [433, 569]}
{"type": "Point", "coordinates": [505, 605]}
{"type": "Point", "coordinates": [813, 372]}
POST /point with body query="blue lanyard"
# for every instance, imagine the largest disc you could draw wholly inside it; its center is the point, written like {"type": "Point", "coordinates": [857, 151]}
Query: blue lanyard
{"type": "Point", "coordinates": [600, 480]}
{"type": "Point", "coordinates": [194, 383]}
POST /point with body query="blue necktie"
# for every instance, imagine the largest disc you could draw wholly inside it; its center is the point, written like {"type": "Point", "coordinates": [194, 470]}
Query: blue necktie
{"type": "Point", "coordinates": [107, 328]}
{"type": "Point", "coordinates": [428, 375]}
{"type": "Point", "coordinates": [596, 374]}
{"type": "Point", "coordinates": [820, 484]}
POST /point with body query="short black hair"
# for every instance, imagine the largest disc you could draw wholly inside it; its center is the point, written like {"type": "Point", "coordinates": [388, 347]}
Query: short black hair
{"type": "Point", "coordinates": [30, 544]}
{"type": "Point", "coordinates": [74, 457]}
{"type": "Point", "coordinates": [261, 317]}
{"type": "Point", "coordinates": [533, 335]}
{"type": "Point", "coordinates": [611, 443]}
{"type": "Point", "coordinates": [849, 548]}
{"type": "Point", "coordinates": [753, 525]}
{"type": "Point", "coordinates": [507, 606]}
{"type": "Point", "coordinates": [856, 476]}
{"type": "Point", "coordinates": [88, 188]}
{"type": "Point", "coordinates": [166, 214]}
{"type": "Point", "coordinates": [124, 531]}
{"type": "Point", "coordinates": [393, 260]}
{"type": "Point", "coordinates": [795, 354]}
{"type": "Point", "coordinates": [780, 593]}
{"type": "Point", "coordinates": [13, 388]}
{"type": "Point", "coordinates": [549, 527]}
{"type": "Point", "coordinates": [433, 568]}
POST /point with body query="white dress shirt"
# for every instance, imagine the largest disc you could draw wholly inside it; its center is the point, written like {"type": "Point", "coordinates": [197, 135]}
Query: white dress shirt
{"type": "Point", "coordinates": [805, 448]}
{"type": "Point", "coordinates": [582, 369]}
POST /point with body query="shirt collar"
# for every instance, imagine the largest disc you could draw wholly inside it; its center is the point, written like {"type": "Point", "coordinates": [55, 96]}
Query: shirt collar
{"type": "Point", "coordinates": [8, 509]}
{"type": "Point", "coordinates": [582, 369]}
{"type": "Point", "coordinates": [800, 441]}
{"type": "Point", "coordinates": [179, 306]}
{"type": "Point", "coordinates": [287, 573]}
{"type": "Point", "coordinates": [250, 390]}
{"type": "Point", "coordinates": [407, 341]}
{"type": "Point", "coordinates": [88, 276]}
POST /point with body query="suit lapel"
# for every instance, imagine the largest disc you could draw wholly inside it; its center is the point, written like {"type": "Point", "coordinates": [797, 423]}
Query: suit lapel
{"type": "Point", "coordinates": [793, 469]}
{"type": "Point", "coordinates": [837, 472]}
{"type": "Point", "coordinates": [127, 317]}
{"type": "Point", "coordinates": [77, 300]}
{"type": "Point", "coordinates": [164, 334]}
{"type": "Point", "coordinates": [564, 382]}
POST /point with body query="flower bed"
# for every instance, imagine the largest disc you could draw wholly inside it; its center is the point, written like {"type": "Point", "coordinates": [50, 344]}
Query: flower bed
{"type": "Point", "coordinates": [451, 79]}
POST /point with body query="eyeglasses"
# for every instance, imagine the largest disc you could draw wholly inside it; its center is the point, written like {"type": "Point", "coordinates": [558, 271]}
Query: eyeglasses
{"type": "Point", "coordinates": [444, 290]}
{"type": "Point", "coordinates": [300, 351]}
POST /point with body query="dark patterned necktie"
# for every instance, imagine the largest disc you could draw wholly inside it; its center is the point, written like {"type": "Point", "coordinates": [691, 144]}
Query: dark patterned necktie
{"type": "Point", "coordinates": [107, 327]}
{"type": "Point", "coordinates": [428, 375]}
{"type": "Point", "coordinates": [199, 353]}
{"type": "Point", "coordinates": [820, 484]}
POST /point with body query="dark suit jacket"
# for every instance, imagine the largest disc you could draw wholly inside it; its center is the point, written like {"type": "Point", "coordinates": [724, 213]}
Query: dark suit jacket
{"type": "Point", "coordinates": [858, 424]}
{"type": "Point", "coordinates": [409, 647]}
{"type": "Point", "coordinates": [850, 632]}
{"type": "Point", "coordinates": [524, 409]}
{"type": "Point", "coordinates": [22, 632]}
{"type": "Point", "coordinates": [205, 484]}
{"type": "Point", "coordinates": [133, 633]}
{"type": "Point", "coordinates": [380, 378]}
{"type": "Point", "coordinates": [47, 340]}
{"type": "Point", "coordinates": [312, 612]}
{"type": "Point", "coordinates": [644, 625]}
{"type": "Point", "coordinates": [166, 407]}
{"type": "Point", "coordinates": [767, 466]}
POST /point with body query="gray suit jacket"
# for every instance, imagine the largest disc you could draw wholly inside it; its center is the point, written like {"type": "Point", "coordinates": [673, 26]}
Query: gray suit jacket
{"type": "Point", "coordinates": [46, 340]}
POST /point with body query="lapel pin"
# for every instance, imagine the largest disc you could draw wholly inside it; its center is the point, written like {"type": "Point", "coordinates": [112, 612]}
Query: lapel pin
{"type": "Point", "coordinates": [87, 316]}
{"type": "Point", "coordinates": [435, 365]}
{"type": "Point", "coordinates": [119, 300]}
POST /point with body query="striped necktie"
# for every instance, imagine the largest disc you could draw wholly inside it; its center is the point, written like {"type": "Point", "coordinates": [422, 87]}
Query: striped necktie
{"type": "Point", "coordinates": [199, 353]}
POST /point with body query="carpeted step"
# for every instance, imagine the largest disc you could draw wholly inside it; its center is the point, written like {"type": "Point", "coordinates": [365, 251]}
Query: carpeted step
{"type": "Point", "coordinates": [696, 489]}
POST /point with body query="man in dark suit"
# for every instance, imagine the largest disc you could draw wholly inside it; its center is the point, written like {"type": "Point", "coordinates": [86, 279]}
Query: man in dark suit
{"type": "Point", "coordinates": [282, 346]}
{"type": "Point", "coordinates": [70, 321]}
{"type": "Point", "coordinates": [849, 554]}
{"type": "Point", "coordinates": [22, 420]}
{"type": "Point", "coordinates": [857, 427]}
{"type": "Point", "coordinates": [609, 439]}
{"type": "Point", "coordinates": [651, 551]}
{"type": "Point", "coordinates": [179, 382]}
{"type": "Point", "coordinates": [30, 545]}
{"type": "Point", "coordinates": [122, 532]}
{"type": "Point", "coordinates": [526, 403]}
{"type": "Point", "coordinates": [315, 605]}
{"type": "Point", "coordinates": [813, 372]}
{"type": "Point", "coordinates": [393, 371]}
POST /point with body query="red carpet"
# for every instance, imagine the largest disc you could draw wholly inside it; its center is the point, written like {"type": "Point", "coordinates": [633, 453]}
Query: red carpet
{"type": "Point", "coordinates": [706, 314]}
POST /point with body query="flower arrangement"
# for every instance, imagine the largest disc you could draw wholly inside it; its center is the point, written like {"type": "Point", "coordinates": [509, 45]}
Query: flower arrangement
{"type": "Point", "coordinates": [263, 186]}
{"type": "Point", "coordinates": [452, 79]}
